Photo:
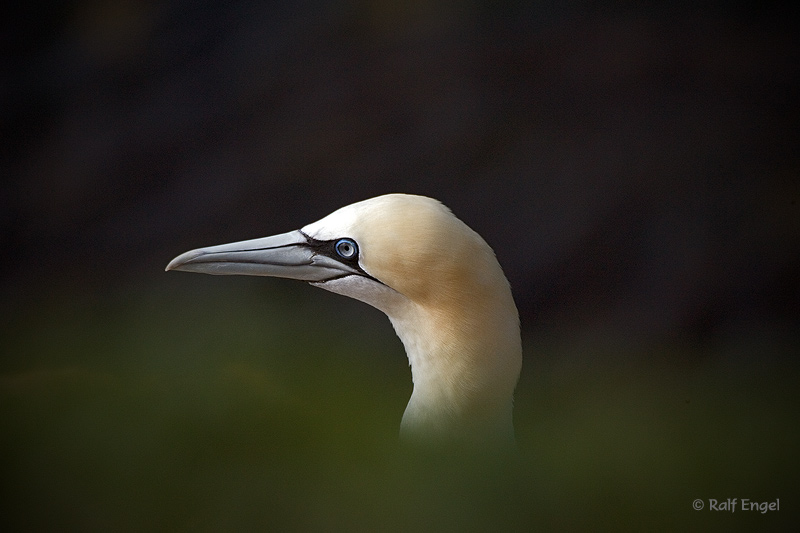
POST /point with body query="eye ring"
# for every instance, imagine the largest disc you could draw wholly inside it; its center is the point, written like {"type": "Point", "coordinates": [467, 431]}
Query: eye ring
{"type": "Point", "coordinates": [346, 248]}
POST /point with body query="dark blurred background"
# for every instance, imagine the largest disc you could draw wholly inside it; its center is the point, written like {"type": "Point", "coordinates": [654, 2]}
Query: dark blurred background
{"type": "Point", "coordinates": [634, 166]}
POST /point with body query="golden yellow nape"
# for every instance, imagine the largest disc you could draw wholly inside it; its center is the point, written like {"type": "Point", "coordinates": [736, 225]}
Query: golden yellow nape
{"type": "Point", "coordinates": [437, 281]}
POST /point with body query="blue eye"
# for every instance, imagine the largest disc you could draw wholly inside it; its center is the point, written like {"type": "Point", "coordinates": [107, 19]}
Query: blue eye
{"type": "Point", "coordinates": [346, 248]}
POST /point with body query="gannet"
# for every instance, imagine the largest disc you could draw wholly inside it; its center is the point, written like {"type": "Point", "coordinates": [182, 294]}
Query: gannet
{"type": "Point", "coordinates": [438, 282]}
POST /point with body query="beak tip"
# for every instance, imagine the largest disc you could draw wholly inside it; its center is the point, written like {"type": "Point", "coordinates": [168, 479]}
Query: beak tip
{"type": "Point", "coordinates": [181, 260]}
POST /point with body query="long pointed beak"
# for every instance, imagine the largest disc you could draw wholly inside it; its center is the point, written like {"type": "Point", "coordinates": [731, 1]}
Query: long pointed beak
{"type": "Point", "coordinates": [288, 255]}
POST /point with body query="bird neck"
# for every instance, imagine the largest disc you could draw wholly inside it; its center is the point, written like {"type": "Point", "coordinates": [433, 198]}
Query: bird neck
{"type": "Point", "coordinates": [464, 363]}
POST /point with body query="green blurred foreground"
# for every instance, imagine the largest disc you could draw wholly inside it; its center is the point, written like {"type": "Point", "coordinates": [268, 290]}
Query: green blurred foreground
{"type": "Point", "coordinates": [214, 404]}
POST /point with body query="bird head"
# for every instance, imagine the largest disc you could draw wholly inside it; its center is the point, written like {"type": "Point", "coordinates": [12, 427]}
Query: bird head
{"type": "Point", "coordinates": [396, 243]}
{"type": "Point", "coordinates": [436, 279]}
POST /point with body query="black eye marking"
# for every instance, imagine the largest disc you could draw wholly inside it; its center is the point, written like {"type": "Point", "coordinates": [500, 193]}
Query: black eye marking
{"type": "Point", "coordinates": [346, 248]}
